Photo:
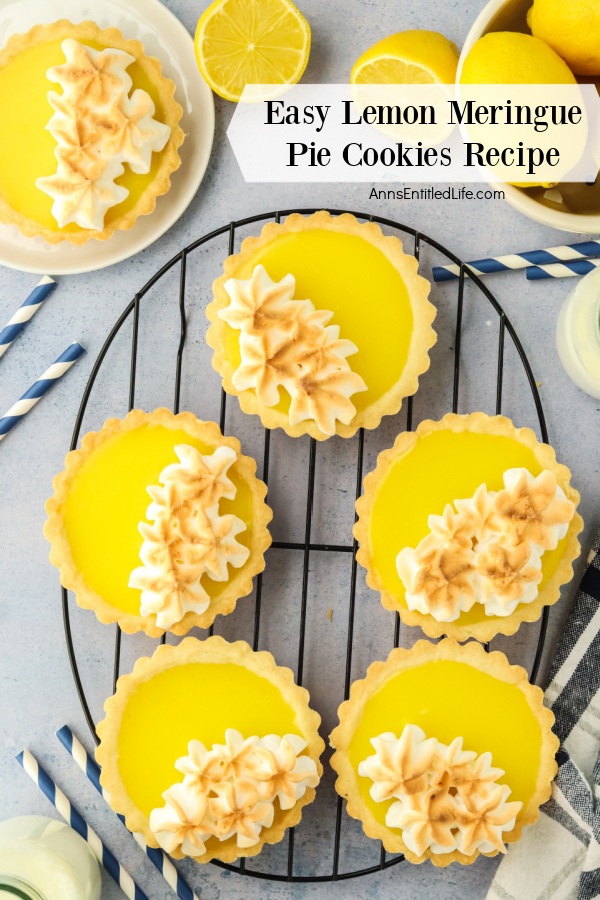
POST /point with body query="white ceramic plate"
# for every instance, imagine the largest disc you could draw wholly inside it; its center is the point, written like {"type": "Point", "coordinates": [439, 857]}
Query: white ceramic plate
{"type": "Point", "coordinates": [163, 36]}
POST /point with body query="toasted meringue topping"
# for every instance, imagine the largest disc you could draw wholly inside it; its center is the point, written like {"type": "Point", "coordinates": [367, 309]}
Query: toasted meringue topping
{"type": "Point", "coordinates": [482, 819]}
{"type": "Point", "coordinates": [179, 824]}
{"type": "Point", "coordinates": [284, 774]}
{"type": "Point", "coordinates": [287, 343]}
{"type": "Point", "coordinates": [237, 757]}
{"type": "Point", "coordinates": [78, 196]}
{"type": "Point", "coordinates": [98, 127]}
{"type": "Point", "coordinates": [474, 513]}
{"type": "Point", "coordinates": [132, 134]}
{"type": "Point", "coordinates": [536, 509]}
{"type": "Point", "coordinates": [231, 790]}
{"type": "Point", "coordinates": [237, 809]}
{"type": "Point", "coordinates": [488, 550]}
{"type": "Point", "coordinates": [508, 575]}
{"type": "Point", "coordinates": [188, 537]}
{"type": "Point", "coordinates": [400, 766]}
{"type": "Point", "coordinates": [446, 798]}
{"type": "Point", "coordinates": [202, 768]}
{"type": "Point", "coordinates": [439, 577]}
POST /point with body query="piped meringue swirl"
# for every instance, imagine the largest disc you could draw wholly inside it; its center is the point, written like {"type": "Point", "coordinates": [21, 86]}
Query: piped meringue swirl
{"type": "Point", "coordinates": [231, 789]}
{"type": "Point", "coordinates": [287, 343]}
{"type": "Point", "coordinates": [187, 536]}
{"type": "Point", "coordinates": [488, 550]}
{"type": "Point", "coordinates": [99, 128]}
{"type": "Point", "coordinates": [445, 798]}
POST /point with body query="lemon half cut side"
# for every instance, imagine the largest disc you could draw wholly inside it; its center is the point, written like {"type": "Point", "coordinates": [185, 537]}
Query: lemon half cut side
{"type": "Point", "coordinates": [258, 42]}
{"type": "Point", "coordinates": [411, 69]}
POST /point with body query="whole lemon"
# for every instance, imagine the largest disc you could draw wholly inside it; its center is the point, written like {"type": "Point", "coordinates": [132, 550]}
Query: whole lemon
{"type": "Point", "coordinates": [508, 57]}
{"type": "Point", "coordinates": [572, 28]}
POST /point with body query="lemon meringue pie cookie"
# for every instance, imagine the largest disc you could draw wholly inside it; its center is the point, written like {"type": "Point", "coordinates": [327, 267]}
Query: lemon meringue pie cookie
{"type": "Point", "coordinates": [321, 325]}
{"type": "Point", "coordinates": [235, 757]}
{"type": "Point", "coordinates": [90, 132]}
{"type": "Point", "coordinates": [444, 752]}
{"type": "Point", "coordinates": [158, 522]}
{"type": "Point", "coordinates": [468, 527]}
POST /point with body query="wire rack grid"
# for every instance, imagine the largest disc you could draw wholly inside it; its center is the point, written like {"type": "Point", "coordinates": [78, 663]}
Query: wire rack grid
{"type": "Point", "coordinates": [305, 547]}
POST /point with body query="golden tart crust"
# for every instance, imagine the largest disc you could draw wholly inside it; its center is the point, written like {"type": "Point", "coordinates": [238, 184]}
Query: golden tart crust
{"type": "Point", "coordinates": [422, 339]}
{"type": "Point", "coordinates": [241, 581]}
{"type": "Point", "coordinates": [485, 630]}
{"type": "Point", "coordinates": [169, 156]}
{"type": "Point", "coordinates": [350, 713]}
{"type": "Point", "coordinates": [213, 650]}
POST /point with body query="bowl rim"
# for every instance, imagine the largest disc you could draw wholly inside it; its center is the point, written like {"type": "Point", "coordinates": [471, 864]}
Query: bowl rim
{"type": "Point", "coordinates": [582, 223]}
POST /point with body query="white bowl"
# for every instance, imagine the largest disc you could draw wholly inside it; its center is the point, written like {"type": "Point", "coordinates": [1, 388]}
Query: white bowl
{"type": "Point", "coordinates": [583, 223]}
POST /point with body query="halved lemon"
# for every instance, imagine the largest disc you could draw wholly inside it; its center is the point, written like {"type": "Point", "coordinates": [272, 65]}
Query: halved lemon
{"type": "Point", "coordinates": [409, 57]}
{"type": "Point", "coordinates": [240, 42]}
{"type": "Point", "coordinates": [411, 68]}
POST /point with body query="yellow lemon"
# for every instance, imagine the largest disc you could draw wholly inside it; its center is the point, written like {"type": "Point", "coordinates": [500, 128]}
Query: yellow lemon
{"type": "Point", "coordinates": [409, 57]}
{"type": "Point", "coordinates": [572, 29]}
{"type": "Point", "coordinates": [508, 57]}
{"type": "Point", "coordinates": [241, 42]}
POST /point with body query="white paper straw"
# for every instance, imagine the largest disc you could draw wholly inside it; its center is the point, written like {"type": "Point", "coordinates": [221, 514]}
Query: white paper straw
{"type": "Point", "coordinates": [562, 270]}
{"type": "Point", "coordinates": [25, 312]}
{"type": "Point", "coordinates": [91, 769]}
{"type": "Point", "coordinates": [74, 818]}
{"type": "Point", "coordinates": [37, 390]}
{"type": "Point", "coordinates": [489, 265]}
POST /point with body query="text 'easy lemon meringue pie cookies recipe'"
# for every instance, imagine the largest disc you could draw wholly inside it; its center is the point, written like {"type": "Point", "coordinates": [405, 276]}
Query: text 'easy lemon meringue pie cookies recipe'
{"type": "Point", "coordinates": [209, 750]}
{"type": "Point", "coordinates": [90, 132]}
{"type": "Point", "coordinates": [468, 526]}
{"type": "Point", "coordinates": [444, 752]}
{"type": "Point", "coordinates": [321, 325]}
{"type": "Point", "coordinates": [158, 522]}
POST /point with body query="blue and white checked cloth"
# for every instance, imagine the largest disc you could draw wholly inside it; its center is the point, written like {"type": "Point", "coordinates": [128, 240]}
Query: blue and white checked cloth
{"type": "Point", "coordinates": [558, 858]}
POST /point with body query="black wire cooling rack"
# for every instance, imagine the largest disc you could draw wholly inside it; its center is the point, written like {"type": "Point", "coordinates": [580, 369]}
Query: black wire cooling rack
{"type": "Point", "coordinates": [306, 547]}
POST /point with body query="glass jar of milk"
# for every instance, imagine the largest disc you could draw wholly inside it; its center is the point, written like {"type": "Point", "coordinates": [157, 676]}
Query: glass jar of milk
{"type": "Point", "coordinates": [578, 334]}
{"type": "Point", "coordinates": [43, 859]}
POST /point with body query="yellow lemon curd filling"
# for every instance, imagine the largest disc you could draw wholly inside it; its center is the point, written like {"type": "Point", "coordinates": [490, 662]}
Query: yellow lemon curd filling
{"type": "Point", "coordinates": [108, 498]}
{"type": "Point", "coordinates": [450, 699]}
{"type": "Point", "coordinates": [27, 149]}
{"type": "Point", "coordinates": [197, 701]}
{"type": "Point", "coordinates": [346, 274]}
{"type": "Point", "coordinates": [442, 467]}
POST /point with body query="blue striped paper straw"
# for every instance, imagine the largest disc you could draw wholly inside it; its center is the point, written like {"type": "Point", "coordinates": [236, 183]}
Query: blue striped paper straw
{"type": "Point", "coordinates": [562, 270]}
{"type": "Point", "coordinates": [41, 386]}
{"type": "Point", "coordinates": [78, 824]}
{"type": "Point", "coordinates": [90, 767]}
{"type": "Point", "coordinates": [520, 260]}
{"type": "Point", "coordinates": [25, 312]}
